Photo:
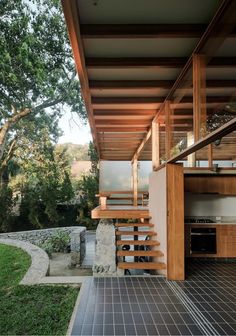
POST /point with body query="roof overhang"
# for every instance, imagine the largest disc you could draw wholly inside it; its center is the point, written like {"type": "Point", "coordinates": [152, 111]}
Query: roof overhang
{"type": "Point", "coordinates": [131, 54]}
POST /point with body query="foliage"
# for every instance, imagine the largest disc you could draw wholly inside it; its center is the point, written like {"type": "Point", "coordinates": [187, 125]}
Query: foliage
{"type": "Point", "coordinates": [75, 152]}
{"type": "Point", "coordinates": [31, 310]}
{"type": "Point", "coordinates": [57, 243]}
{"type": "Point", "coordinates": [94, 159]}
{"type": "Point", "coordinates": [46, 181]}
{"type": "Point", "coordinates": [221, 117]}
{"type": "Point", "coordinates": [36, 71]}
{"type": "Point", "coordinates": [7, 202]}
{"type": "Point", "coordinates": [88, 187]}
{"type": "Point", "coordinates": [47, 247]}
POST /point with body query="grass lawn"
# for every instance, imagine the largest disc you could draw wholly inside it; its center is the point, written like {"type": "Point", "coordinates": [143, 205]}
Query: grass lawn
{"type": "Point", "coordinates": [31, 310]}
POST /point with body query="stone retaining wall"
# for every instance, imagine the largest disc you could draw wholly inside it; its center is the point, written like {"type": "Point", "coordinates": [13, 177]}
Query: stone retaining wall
{"type": "Point", "coordinates": [38, 237]}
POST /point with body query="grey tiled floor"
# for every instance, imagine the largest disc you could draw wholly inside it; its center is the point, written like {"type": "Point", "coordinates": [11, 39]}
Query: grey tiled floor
{"type": "Point", "coordinates": [204, 304]}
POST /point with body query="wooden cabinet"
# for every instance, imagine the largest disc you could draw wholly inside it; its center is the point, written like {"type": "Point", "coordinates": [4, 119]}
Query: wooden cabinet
{"type": "Point", "coordinates": [225, 240]}
{"type": "Point", "coordinates": [225, 185]}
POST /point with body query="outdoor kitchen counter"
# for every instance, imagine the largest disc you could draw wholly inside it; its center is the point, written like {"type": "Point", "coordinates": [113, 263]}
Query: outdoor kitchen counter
{"type": "Point", "coordinates": [210, 224]}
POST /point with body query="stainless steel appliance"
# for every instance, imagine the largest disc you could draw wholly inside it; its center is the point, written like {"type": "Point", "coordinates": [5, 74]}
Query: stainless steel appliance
{"type": "Point", "coordinates": [203, 240]}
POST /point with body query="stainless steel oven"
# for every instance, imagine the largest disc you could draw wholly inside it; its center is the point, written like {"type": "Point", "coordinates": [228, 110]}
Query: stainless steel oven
{"type": "Point", "coordinates": [203, 241]}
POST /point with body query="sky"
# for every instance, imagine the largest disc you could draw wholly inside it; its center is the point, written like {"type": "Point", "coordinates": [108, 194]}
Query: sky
{"type": "Point", "coordinates": [74, 130]}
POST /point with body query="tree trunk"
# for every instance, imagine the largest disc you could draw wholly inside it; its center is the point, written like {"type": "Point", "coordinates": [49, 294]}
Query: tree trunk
{"type": "Point", "coordinates": [6, 127]}
{"type": "Point", "coordinates": [3, 135]}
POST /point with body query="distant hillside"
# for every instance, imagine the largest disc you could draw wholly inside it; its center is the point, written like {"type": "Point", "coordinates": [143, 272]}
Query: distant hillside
{"type": "Point", "coordinates": [75, 152]}
{"type": "Point", "coordinates": [79, 168]}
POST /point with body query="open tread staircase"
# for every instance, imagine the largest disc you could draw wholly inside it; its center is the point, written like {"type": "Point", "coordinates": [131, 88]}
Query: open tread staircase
{"type": "Point", "coordinates": [138, 242]}
{"type": "Point", "coordinates": [143, 250]}
{"type": "Point", "coordinates": [142, 265]}
{"type": "Point", "coordinates": [134, 224]}
{"type": "Point", "coordinates": [136, 233]}
{"type": "Point", "coordinates": [140, 253]}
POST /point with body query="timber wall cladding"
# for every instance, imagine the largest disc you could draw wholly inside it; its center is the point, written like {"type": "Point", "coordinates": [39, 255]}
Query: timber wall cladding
{"type": "Point", "coordinates": [175, 222]}
{"type": "Point", "coordinates": [158, 209]}
{"type": "Point", "coordinates": [224, 185]}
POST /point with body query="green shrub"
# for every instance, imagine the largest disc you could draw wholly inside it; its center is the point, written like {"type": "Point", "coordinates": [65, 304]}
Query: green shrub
{"type": "Point", "coordinates": [60, 241]}
{"type": "Point", "coordinates": [47, 247]}
{"type": "Point", "coordinates": [57, 243]}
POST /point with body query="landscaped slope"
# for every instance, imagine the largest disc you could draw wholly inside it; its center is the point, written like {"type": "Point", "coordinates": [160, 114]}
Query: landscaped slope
{"type": "Point", "coordinates": [31, 310]}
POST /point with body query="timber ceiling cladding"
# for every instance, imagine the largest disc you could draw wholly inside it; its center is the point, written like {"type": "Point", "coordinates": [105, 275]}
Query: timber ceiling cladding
{"type": "Point", "coordinates": [129, 54]}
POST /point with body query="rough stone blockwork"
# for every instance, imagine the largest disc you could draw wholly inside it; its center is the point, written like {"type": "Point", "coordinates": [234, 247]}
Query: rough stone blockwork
{"type": "Point", "coordinates": [38, 237]}
{"type": "Point", "coordinates": [105, 250]}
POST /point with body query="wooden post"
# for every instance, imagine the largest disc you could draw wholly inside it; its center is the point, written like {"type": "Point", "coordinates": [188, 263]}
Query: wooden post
{"type": "Point", "coordinates": [191, 157]}
{"type": "Point", "coordinates": [199, 97]}
{"type": "Point", "coordinates": [135, 181]}
{"type": "Point", "coordinates": [169, 133]}
{"type": "Point", "coordinates": [103, 202]}
{"type": "Point", "coordinates": [210, 155]}
{"type": "Point", "coordinates": [155, 146]}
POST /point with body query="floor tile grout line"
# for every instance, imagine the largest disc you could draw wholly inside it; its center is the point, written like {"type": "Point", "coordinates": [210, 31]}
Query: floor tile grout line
{"type": "Point", "coordinates": [202, 322]}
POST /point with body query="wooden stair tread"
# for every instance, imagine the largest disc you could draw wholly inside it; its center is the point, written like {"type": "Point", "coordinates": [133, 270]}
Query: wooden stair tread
{"type": "Point", "coordinates": [136, 233]}
{"type": "Point", "coordinates": [122, 253]}
{"type": "Point", "coordinates": [138, 242]}
{"type": "Point", "coordinates": [134, 224]}
{"type": "Point", "coordinates": [142, 265]}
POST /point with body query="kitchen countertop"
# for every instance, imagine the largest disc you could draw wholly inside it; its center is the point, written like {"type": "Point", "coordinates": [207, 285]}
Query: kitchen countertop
{"type": "Point", "coordinates": [210, 224]}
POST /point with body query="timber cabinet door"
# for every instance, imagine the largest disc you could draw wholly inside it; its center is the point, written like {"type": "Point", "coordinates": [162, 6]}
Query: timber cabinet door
{"type": "Point", "coordinates": [226, 241]}
{"type": "Point", "coordinates": [224, 185]}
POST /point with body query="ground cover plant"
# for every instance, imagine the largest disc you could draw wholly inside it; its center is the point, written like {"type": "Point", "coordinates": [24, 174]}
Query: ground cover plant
{"type": "Point", "coordinates": [31, 310]}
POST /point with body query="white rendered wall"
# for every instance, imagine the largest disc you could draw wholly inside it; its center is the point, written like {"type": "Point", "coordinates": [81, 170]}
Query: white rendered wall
{"type": "Point", "coordinates": [158, 208]}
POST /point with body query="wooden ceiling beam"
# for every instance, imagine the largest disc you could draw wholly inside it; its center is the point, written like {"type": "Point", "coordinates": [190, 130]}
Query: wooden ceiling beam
{"type": "Point", "coordinates": [123, 117]}
{"type": "Point", "coordinates": [119, 112]}
{"type": "Point", "coordinates": [135, 31]}
{"type": "Point", "coordinates": [153, 84]}
{"type": "Point", "coordinates": [152, 62]}
{"type": "Point", "coordinates": [152, 100]}
{"type": "Point", "coordinates": [121, 129]}
{"type": "Point", "coordinates": [142, 30]}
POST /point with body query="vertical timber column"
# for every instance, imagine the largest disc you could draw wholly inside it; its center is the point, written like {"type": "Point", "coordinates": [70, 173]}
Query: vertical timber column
{"type": "Point", "coordinates": [175, 222]}
{"type": "Point", "coordinates": [155, 145]}
{"type": "Point", "coordinates": [135, 181]}
{"type": "Point", "coordinates": [169, 131]}
{"type": "Point", "coordinates": [199, 97]}
{"type": "Point", "coordinates": [210, 155]}
{"type": "Point", "coordinates": [191, 157]}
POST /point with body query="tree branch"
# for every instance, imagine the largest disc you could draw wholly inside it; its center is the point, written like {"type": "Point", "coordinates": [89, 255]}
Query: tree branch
{"type": "Point", "coordinates": [9, 155]}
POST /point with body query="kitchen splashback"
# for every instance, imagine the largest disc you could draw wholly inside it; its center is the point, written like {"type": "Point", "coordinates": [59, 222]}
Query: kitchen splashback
{"type": "Point", "coordinates": [202, 205]}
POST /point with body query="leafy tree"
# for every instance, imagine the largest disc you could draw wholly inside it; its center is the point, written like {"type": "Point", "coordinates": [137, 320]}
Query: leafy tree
{"type": "Point", "coordinates": [75, 152]}
{"type": "Point", "coordinates": [36, 70]}
{"type": "Point", "coordinates": [45, 180]}
{"type": "Point", "coordinates": [7, 202]}
{"type": "Point", "coordinates": [88, 187]}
